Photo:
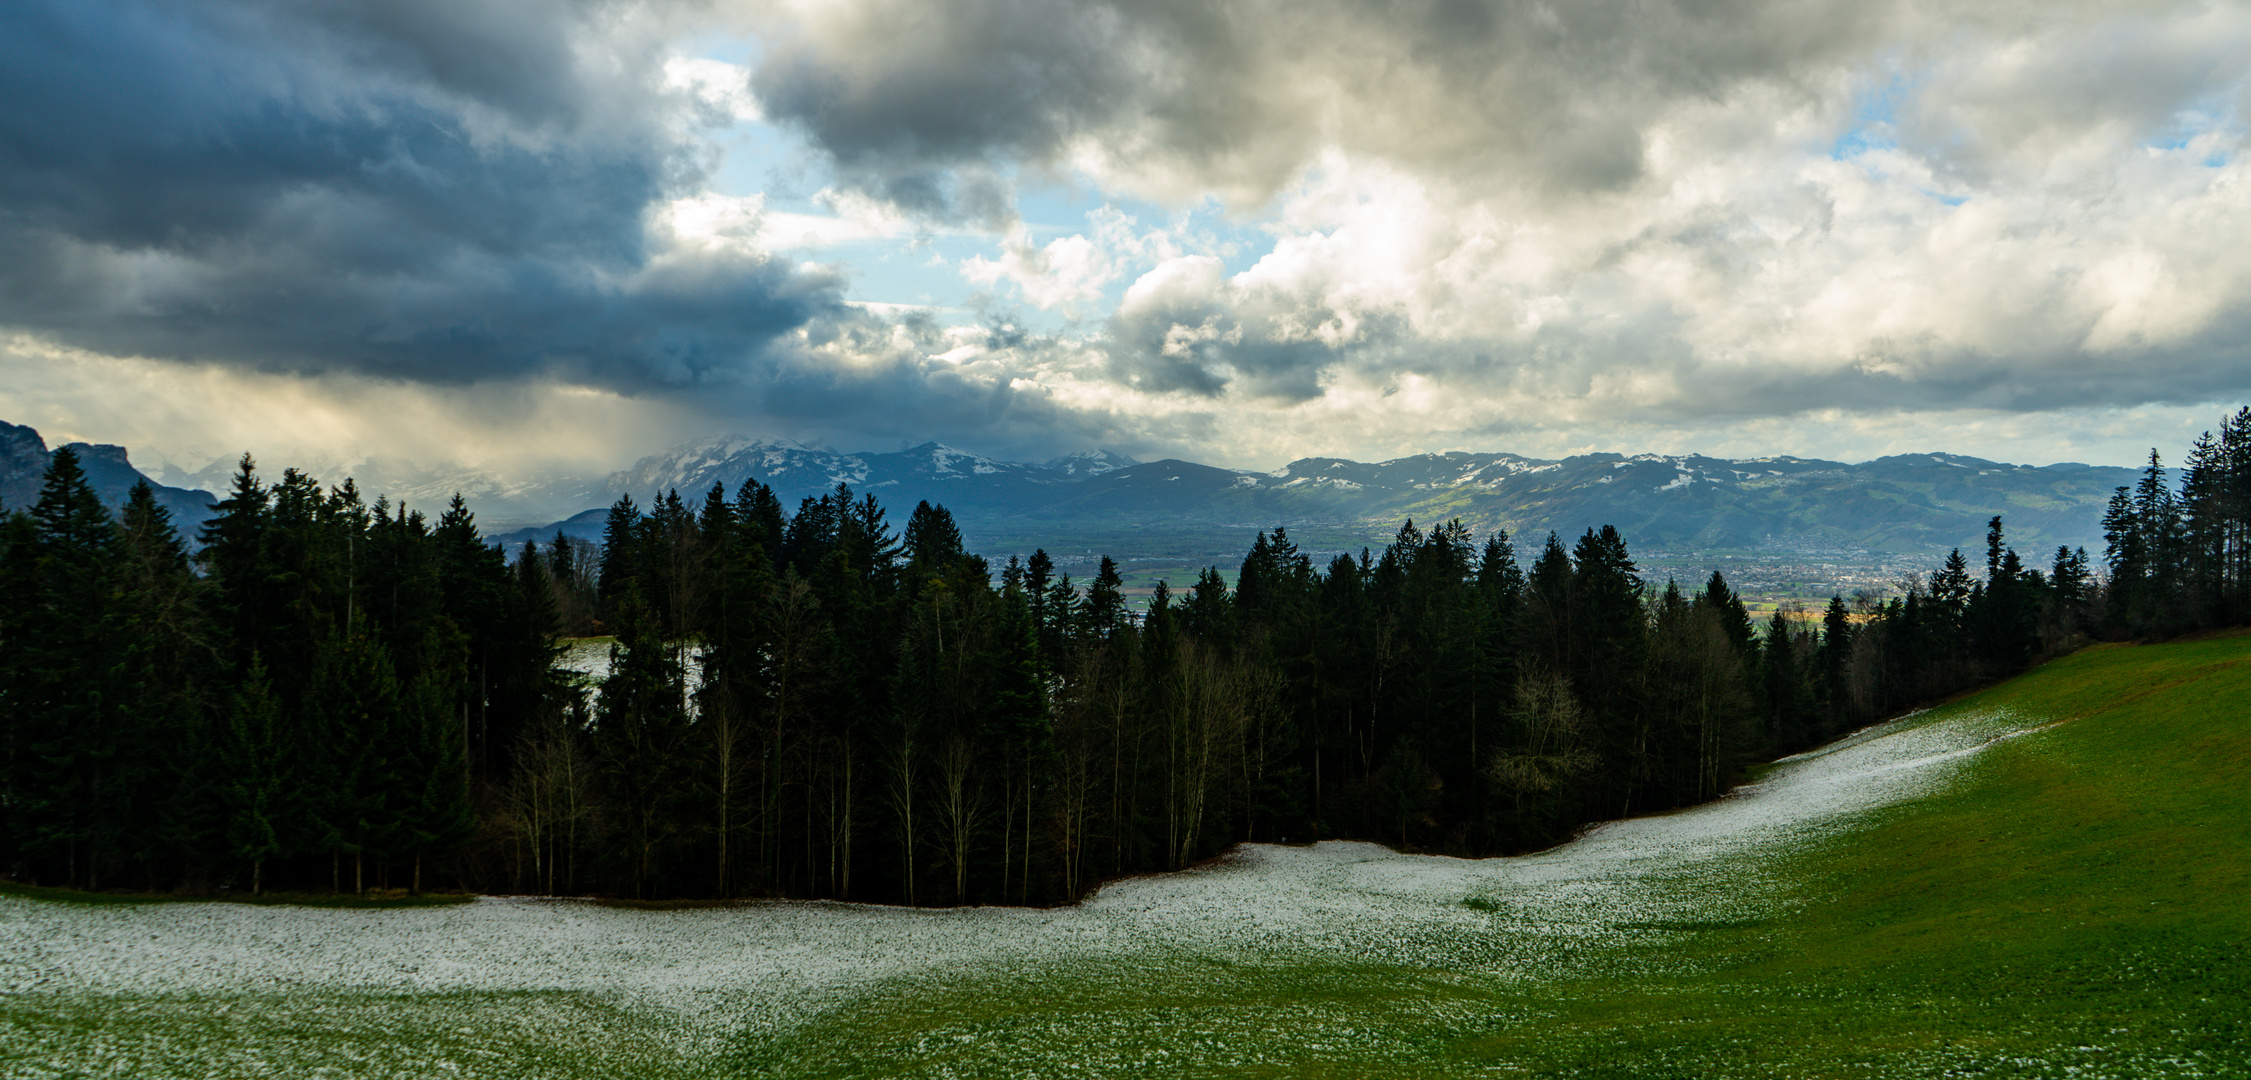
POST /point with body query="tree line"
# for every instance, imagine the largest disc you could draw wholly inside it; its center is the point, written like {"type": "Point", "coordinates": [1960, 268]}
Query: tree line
{"type": "Point", "coordinates": [314, 696]}
{"type": "Point", "coordinates": [813, 703]}
{"type": "Point", "coordinates": [2179, 558]}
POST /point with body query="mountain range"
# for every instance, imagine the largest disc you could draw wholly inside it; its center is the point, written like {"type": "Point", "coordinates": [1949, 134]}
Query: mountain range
{"type": "Point", "coordinates": [1903, 504]}
{"type": "Point", "coordinates": [23, 468]}
{"type": "Point", "coordinates": [1899, 504]}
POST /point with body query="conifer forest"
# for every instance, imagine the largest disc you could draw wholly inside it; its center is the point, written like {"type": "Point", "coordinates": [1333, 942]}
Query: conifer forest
{"type": "Point", "coordinates": [318, 693]}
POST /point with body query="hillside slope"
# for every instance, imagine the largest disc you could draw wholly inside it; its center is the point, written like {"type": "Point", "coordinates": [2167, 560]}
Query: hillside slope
{"type": "Point", "coordinates": [2042, 880]}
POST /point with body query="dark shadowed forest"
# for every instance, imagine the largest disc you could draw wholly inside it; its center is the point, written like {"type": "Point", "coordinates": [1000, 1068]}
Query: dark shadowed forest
{"type": "Point", "coordinates": [317, 693]}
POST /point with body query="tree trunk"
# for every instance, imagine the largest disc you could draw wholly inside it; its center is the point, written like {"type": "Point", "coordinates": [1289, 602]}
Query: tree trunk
{"type": "Point", "coordinates": [726, 779]}
{"type": "Point", "coordinates": [1024, 893]}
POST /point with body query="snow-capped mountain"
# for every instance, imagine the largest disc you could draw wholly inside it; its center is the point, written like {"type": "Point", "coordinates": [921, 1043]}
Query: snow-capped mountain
{"type": "Point", "coordinates": [1901, 503]}
{"type": "Point", "coordinates": [1662, 502]}
{"type": "Point", "coordinates": [1089, 463]}
{"type": "Point", "coordinates": [1912, 502]}
{"type": "Point", "coordinates": [728, 460]}
{"type": "Point", "coordinates": [795, 471]}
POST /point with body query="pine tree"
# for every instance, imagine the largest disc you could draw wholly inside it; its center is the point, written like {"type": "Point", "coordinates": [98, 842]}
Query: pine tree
{"type": "Point", "coordinates": [739, 586]}
{"type": "Point", "coordinates": [1544, 633]}
{"type": "Point", "coordinates": [233, 556]}
{"type": "Point", "coordinates": [621, 552]}
{"type": "Point", "coordinates": [1789, 693]}
{"type": "Point", "coordinates": [2073, 588]}
{"type": "Point", "coordinates": [2158, 517]}
{"type": "Point", "coordinates": [18, 624]}
{"type": "Point", "coordinates": [1103, 613]}
{"type": "Point", "coordinates": [1057, 612]}
{"type": "Point", "coordinates": [759, 513]}
{"type": "Point", "coordinates": [434, 778]}
{"type": "Point", "coordinates": [1020, 718]}
{"type": "Point", "coordinates": [1500, 582]}
{"type": "Point", "coordinates": [641, 736]}
{"type": "Point", "coordinates": [933, 542]}
{"type": "Point", "coordinates": [1435, 695]}
{"type": "Point", "coordinates": [1836, 664]}
{"type": "Point", "coordinates": [1208, 613]}
{"type": "Point", "coordinates": [1734, 618]}
{"type": "Point", "coordinates": [2231, 496]}
{"type": "Point", "coordinates": [361, 743]}
{"type": "Point", "coordinates": [811, 534]}
{"type": "Point", "coordinates": [1608, 639]}
{"type": "Point", "coordinates": [71, 726]}
{"type": "Point", "coordinates": [165, 664]}
{"type": "Point", "coordinates": [1491, 675]}
{"type": "Point", "coordinates": [256, 759]}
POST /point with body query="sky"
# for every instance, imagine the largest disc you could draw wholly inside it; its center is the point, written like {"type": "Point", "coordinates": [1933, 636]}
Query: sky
{"type": "Point", "coordinates": [555, 235]}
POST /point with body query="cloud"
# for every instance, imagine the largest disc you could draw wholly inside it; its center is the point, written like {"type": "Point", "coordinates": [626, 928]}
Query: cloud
{"type": "Point", "coordinates": [1662, 213]}
{"type": "Point", "coordinates": [440, 192]}
{"type": "Point", "coordinates": [1479, 223]}
{"type": "Point", "coordinates": [1065, 273]}
{"type": "Point", "coordinates": [718, 87]}
{"type": "Point", "coordinates": [1186, 97]}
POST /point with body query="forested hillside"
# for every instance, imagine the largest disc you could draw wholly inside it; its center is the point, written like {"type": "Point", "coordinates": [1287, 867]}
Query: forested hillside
{"type": "Point", "coordinates": [334, 695]}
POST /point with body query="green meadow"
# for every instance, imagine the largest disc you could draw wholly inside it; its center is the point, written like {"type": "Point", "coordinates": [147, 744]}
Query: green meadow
{"type": "Point", "coordinates": [2079, 904]}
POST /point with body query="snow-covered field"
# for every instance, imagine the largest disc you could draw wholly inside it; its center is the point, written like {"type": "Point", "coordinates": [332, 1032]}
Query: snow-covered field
{"type": "Point", "coordinates": [694, 979]}
{"type": "Point", "coordinates": [588, 659]}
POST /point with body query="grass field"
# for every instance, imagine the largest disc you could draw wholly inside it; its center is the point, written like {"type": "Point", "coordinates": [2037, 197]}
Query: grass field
{"type": "Point", "coordinates": [2048, 879]}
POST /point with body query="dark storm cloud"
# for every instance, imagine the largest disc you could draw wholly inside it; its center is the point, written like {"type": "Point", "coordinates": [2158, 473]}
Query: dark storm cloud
{"type": "Point", "coordinates": [440, 192]}
{"type": "Point", "coordinates": [918, 103]}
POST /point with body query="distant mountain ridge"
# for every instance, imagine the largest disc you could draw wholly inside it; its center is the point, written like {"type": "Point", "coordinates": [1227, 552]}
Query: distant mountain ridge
{"type": "Point", "coordinates": [962, 480]}
{"type": "Point", "coordinates": [1902, 503]}
{"type": "Point", "coordinates": [1906, 503]}
{"type": "Point", "coordinates": [23, 470]}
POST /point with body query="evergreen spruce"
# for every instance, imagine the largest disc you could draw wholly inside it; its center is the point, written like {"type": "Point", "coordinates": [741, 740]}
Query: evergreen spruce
{"type": "Point", "coordinates": [255, 758]}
